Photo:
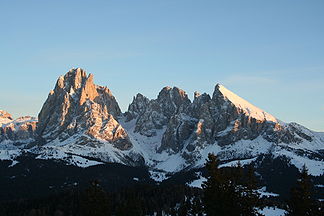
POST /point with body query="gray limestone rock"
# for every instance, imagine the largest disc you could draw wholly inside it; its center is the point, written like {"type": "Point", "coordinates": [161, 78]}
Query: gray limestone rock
{"type": "Point", "coordinates": [137, 107]}
{"type": "Point", "coordinates": [158, 112]}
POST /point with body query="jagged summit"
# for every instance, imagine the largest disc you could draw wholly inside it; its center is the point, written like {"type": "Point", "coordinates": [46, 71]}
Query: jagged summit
{"type": "Point", "coordinates": [153, 114]}
{"type": "Point", "coordinates": [248, 108]}
{"type": "Point", "coordinates": [78, 106]}
{"type": "Point", "coordinates": [172, 91]}
{"type": "Point", "coordinates": [188, 130]}
{"type": "Point", "coordinates": [137, 107]}
{"type": "Point", "coordinates": [168, 133]}
{"type": "Point", "coordinates": [172, 100]}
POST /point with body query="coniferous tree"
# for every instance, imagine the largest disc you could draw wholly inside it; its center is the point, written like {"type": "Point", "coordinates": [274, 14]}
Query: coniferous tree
{"type": "Point", "coordinates": [196, 207]}
{"type": "Point", "coordinates": [211, 186]}
{"type": "Point", "coordinates": [95, 201]}
{"type": "Point", "coordinates": [228, 193]}
{"type": "Point", "coordinates": [302, 202]}
{"type": "Point", "coordinates": [219, 191]}
{"type": "Point", "coordinates": [250, 198]}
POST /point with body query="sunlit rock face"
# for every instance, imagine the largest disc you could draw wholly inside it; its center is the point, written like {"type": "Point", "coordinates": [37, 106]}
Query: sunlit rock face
{"type": "Point", "coordinates": [223, 119]}
{"type": "Point", "coordinates": [77, 106]}
{"type": "Point", "coordinates": [5, 117]}
{"type": "Point", "coordinates": [19, 131]}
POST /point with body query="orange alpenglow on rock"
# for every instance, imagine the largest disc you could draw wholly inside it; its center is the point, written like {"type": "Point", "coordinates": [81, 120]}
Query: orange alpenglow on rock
{"type": "Point", "coordinates": [78, 106]}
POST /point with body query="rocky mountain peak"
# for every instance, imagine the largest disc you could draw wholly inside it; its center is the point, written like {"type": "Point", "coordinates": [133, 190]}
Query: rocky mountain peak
{"type": "Point", "coordinates": [76, 82]}
{"type": "Point", "coordinates": [168, 133]}
{"type": "Point", "coordinates": [158, 112]}
{"type": "Point", "coordinates": [201, 98]}
{"type": "Point", "coordinates": [137, 107]}
{"type": "Point", "coordinates": [196, 94]}
{"type": "Point", "coordinates": [78, 106]}
{"type": "Point", "coordinates": [222, 94]}
{"type": "Point", "coordinates": [217, 94]}
{"type": "Point", "coordinates": [73, 78]}
{"type": "Point", "coordinates": [172, 100]}
{"type": "Point", "coordinates": [175, 94]}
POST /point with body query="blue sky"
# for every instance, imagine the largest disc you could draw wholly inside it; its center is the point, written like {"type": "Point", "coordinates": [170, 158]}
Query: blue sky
{"type": "Point", "coordinates": [268, 52]}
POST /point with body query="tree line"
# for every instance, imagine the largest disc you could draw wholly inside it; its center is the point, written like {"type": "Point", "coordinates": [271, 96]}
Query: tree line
{"type": "Point", "coordinates": [226, 192]}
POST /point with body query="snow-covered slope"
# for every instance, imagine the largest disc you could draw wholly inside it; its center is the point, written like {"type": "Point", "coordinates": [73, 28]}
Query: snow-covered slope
{"type": "Point", "coordinates": [248, 108]}
{"type": "Point", "coordinates": [225, 124]}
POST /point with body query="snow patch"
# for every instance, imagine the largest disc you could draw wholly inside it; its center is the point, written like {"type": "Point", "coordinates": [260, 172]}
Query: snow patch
{"type": "Point", "coordinates": [198, 182]}
{"type": "Point", "coordinates": [272, 211]}
{"type": "Point", "coordinates": [70, 159]}
{"type": "Point", "coordinates": [158, 176]}
{"type": "Point", "coordinates": [235, 162]}
{"type": "Point", "coordinates": [315, 167]}
{"type": "Point", "coordinates": [9, 154]}
{"type": "Point", "coordinates": [14, 162]}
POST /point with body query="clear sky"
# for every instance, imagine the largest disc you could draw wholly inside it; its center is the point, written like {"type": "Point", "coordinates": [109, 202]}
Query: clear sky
{"type": "Point", "coordinates": [268, 52]}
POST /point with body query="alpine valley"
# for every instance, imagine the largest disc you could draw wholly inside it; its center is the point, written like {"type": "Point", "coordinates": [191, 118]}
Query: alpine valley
{"type": "Point", "coordinates": [81, 134]}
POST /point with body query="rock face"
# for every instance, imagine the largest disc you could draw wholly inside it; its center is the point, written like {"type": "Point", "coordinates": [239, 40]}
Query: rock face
{"type": "Point", "coordinates": [18, 131]}
{"type": "Point", "coordinates": [5, 117]}
{"type": "Point", "coordinates": [137, 107]}
{"type": "Point", "coordinates": [217, 122]}
{"type": "Point", "coordinates": [77, 106]}
{"type": "Point", "coordinates": [205, 120]}
{"type": "Point", "coordinates": [154, 114]}
{"type": "Point", "coordinates": [169, 133]}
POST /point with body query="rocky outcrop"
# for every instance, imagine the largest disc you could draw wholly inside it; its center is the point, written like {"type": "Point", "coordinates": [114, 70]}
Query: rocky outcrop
{"type": "Point", "coordinates": [19, 131]}
{"type": "Point", "coordinates": [77, 106]}
{"type": "Point", "coordinates": [168, 133]}
{"type": "Point", "coordinates": [5, 117]}
{"type": "Point", "coordinates": [155, 114]}
{"type": "Point", "coordinates": [137, 107]}
{"type": "Point", "coordinates": [222, 119]}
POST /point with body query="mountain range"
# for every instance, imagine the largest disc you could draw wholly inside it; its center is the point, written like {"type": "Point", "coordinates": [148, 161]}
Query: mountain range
{"type": "Point", "coordinates": [81, 124]}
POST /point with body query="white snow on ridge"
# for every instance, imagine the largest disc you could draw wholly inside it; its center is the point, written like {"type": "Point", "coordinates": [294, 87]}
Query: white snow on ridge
{"type": "Point", "coordinates": [17, 122]}
{"type": "Point", "coordinates": [247, 107]}
{"type": "Point", "coordinates": [9, 154]}
{"type": "Point", "coordinates": [315, 167]}
{"type": "Point", "coordinates": [240, 149]}
{"type": "Point", "coordinates": [70, 159]}
{"type": "Point", "coordinates": [272, 211]}
{"type": "Point", "coordinates": [235, 162]}
{"type": "Point", "coordinates": [73, 153]}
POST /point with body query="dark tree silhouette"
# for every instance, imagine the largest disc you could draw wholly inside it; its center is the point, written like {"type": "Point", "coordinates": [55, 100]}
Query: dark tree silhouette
{"type": "Point", "coordinates": [302, 202]}
{"type": "Point", "coordinates": [228, 193]}
{"type": "Point", "coordinates": [94, 201]}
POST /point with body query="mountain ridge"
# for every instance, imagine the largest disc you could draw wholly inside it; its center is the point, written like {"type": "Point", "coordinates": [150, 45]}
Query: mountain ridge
{"type": "Point", "coordinates": [166, 134]}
